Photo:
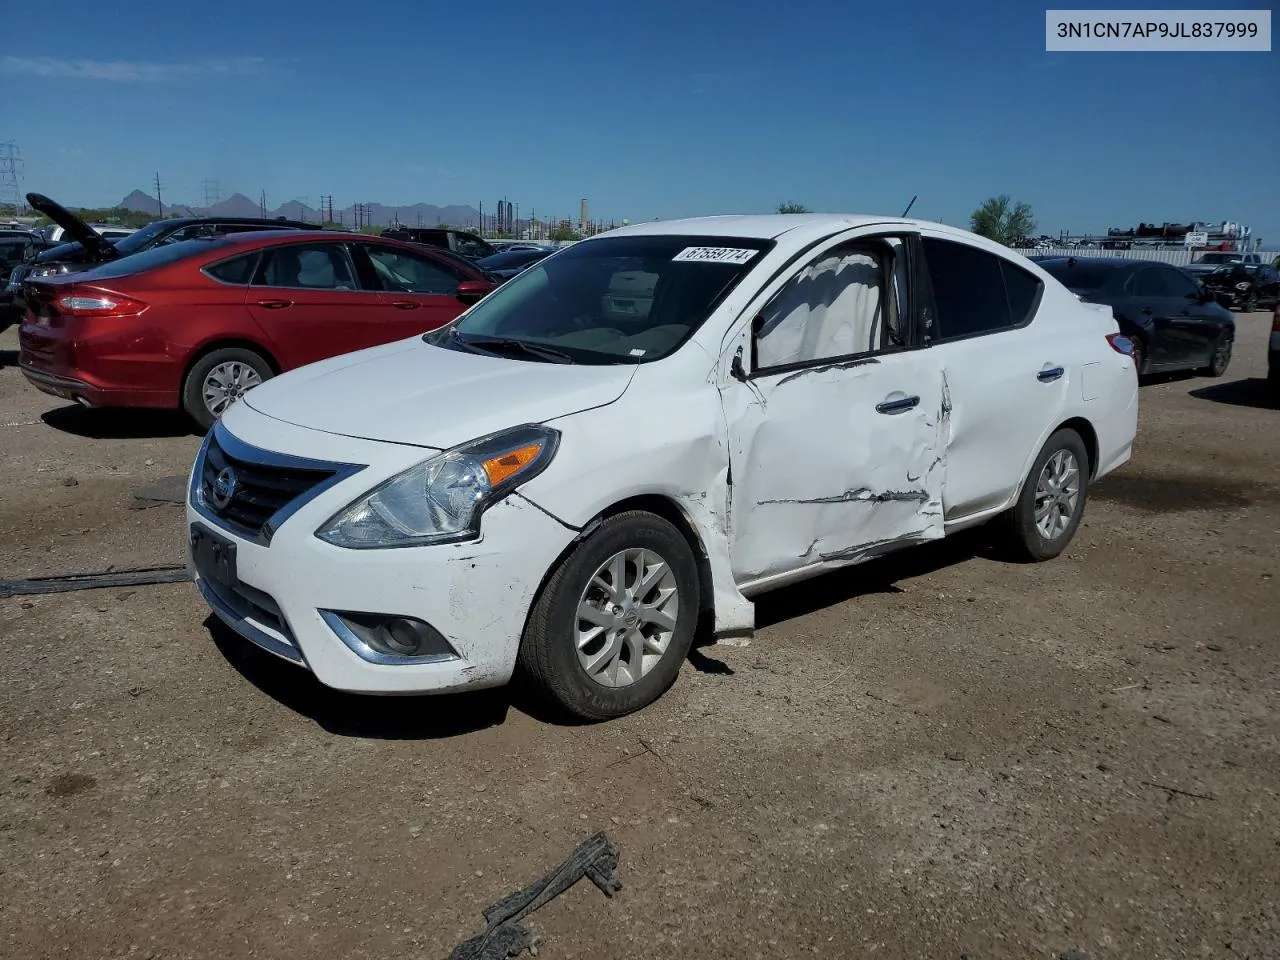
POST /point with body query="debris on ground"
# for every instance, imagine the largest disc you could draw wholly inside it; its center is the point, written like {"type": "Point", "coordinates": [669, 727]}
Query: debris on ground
{"type": "Point", "coordinates": [162, 491]}
{"type": "Point", "coordinates": [595, 858]}
{"type": "Point", "coordinates": [173, 573]}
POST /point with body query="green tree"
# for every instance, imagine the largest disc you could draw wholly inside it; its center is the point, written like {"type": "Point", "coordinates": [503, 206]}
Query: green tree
{"type": "Point", "coordinates": [559, 234]}
{"type": "Point", "coordinates": [792, 208]}
{"type": "Point", "coordinates": [1002, 220]}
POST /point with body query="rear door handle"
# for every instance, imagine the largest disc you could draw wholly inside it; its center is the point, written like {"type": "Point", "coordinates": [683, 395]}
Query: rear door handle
{"type": "Point", "coordinates": [275, 304]}
{"type": "Point", "coordinates": [901, 405]}
{"type": "Point", "coordinates": [1049, 375]}
{"type": "Point", "coordinates": [405, 304]}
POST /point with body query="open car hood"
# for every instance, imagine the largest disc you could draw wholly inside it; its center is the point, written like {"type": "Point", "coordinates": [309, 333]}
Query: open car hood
{"type": "Point", "coordinates": [413, 393]}
{"type": "Point", "coordinates": [95, 245]}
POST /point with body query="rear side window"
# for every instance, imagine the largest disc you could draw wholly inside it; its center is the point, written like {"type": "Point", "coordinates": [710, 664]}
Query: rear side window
{"type": "Point", "coordinates": [975, 292]}
{"type": "Point", "coordinates": [236, 271]}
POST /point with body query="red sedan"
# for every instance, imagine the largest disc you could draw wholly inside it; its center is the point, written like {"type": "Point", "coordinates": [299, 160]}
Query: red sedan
{"type": "Point", "coordinates": [194, 324]}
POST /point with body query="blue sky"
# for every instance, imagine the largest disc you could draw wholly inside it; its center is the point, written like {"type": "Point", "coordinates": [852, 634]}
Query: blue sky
{"type": "Point", "coordinates": [659, 109]}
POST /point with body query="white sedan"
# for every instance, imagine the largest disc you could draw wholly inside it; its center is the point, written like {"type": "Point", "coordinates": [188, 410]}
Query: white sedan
{"type": "Point", "coordinates": [645, 428]}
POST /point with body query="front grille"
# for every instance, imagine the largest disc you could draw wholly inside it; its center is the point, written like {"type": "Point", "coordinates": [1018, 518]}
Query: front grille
{"type": "Point", "coordinates": [259, 491]}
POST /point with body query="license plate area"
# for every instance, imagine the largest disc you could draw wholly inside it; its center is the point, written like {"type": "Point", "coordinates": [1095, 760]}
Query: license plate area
{"type": "Point", "coordinates": [214, 556]}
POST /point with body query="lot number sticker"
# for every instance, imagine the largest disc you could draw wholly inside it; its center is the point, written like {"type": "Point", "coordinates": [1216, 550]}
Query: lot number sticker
{"type": "Point", "coordinates": [733, 255]}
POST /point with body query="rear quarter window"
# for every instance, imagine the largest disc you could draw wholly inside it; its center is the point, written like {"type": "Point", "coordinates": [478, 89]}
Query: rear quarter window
{"type": "Point", "coordinates": [236, 271]}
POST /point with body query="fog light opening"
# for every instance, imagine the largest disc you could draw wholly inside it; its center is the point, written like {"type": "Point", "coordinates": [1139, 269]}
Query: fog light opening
{"type": "Point", "coordinates": [389, 638]}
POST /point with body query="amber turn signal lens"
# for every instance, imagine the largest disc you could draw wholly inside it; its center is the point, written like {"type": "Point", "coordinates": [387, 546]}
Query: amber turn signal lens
{"type": "Point", "coordinates": [510, 463]}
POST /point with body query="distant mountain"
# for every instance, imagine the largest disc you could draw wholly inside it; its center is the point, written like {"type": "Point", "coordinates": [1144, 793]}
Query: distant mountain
{"type": "Point", "coordinates": [236, 205]}
{"type": "Point", "coordinates": [374, 214]}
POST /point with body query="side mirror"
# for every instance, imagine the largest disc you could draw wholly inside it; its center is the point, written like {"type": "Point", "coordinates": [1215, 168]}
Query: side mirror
{"type": "Point", "coordinates": [469, 291]}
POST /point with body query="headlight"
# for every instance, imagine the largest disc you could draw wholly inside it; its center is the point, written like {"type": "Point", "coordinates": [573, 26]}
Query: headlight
{"type": "Point", "coordinates": [52, 270]}
{"type": "Point", "coordinates": [442, 499]}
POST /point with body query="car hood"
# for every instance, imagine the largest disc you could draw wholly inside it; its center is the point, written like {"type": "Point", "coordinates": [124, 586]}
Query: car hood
{"type": "Point", "coordinates": [93, 242]}
{"type": "Point", "coordinates": [413, 393]}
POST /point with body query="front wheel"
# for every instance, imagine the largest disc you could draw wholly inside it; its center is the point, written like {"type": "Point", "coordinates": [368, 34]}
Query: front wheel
{"type": "Point", "coordinates": [1051, 503]}
{"type": "Point", "coordinates": [218, 380]}
{"type": "Point", "coordinates": [616, 619]}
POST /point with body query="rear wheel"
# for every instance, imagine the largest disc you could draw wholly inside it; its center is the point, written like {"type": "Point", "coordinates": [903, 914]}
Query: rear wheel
{"type": "Point", "coordinates": [1250, 303]}
{"type": "Point", "coordinates": [1220, 358]}
{"type": "Point", "coordinates": [1139, 356]}
{"type": "Point", "coordinates": [218, 380]}
{"type": "Point", "coordinates": [615, 620]}
{"type": "Point", "coordinates": [1048, 511]}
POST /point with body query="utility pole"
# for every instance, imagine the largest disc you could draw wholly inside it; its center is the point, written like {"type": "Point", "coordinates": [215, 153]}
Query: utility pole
{"type": "Point", "coordinates": [11, 175]}
{"type": "Point", "coordinates": [159, 202]}
{"type": "Point", "coordinates": [262, 203]}
{"type": "Point", "coordinates": [212, 193]}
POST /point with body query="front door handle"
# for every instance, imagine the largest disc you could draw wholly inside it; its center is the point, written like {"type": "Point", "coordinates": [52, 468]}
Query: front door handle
{"type": "Point", "coordinates": [1147, 311]}
{"type": "Point", "coordinates": [1050, 374]}
{"type": "Point", "coordinates": [405, 304]}
{"type": "Point", "coordinates": [275, 304]}
{"type": "Point", "coordinates": [901, 405]}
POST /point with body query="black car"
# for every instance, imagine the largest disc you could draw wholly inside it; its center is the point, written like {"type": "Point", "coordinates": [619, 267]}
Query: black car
{"type": "Point", "coordinates": [508, 263]}
{"type": "Point", "coordinates": [16, 248]}
{"type": "Point", "coordinates": [459, 241]}
{"type": "Point", "coordinates": [1174, 322]}
{"type": "Point", "coordinates": [89, 248]}
{"type": "Point", "coordinates": [1246, 286]}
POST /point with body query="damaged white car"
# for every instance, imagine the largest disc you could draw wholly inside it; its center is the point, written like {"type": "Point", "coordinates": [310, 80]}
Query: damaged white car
{"type": "Point", "coordinates": [651, 426]}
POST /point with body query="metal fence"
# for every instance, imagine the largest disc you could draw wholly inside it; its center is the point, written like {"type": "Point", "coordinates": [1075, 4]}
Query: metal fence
{"type": "Point", "coordinates": [1171, 255]}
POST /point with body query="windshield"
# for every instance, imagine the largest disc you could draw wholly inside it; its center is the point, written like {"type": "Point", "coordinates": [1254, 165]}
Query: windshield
{"type": "Point", "coordinates": [614, 300]}
{"type": "Point", "coordinates": [142, 238]}
{"type": "Point", "coordinates": [1080, 275]}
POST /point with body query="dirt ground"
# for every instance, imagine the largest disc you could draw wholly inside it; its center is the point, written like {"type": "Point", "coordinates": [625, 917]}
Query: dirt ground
{"type": "Point", "coordinates": [935, 755]}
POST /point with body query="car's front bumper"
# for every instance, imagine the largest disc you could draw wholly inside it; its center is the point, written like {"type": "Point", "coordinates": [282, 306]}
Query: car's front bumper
{"type": "Point", "coordinates": [476, 594]}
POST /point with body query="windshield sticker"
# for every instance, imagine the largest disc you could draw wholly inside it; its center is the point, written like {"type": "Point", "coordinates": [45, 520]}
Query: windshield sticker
{"type": "Point", "coordinates": [638, 353]}
{"type": "Point", "coordinates": [733, 255]}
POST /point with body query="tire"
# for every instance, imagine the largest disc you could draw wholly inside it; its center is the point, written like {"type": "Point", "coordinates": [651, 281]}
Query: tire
{"type": "Point", "coordinates": [1220, 358]}
{"type": "Point", "coordinates": [1022, 537]}
{"type": "Point", "coordinates": [253, 369]}
{"type": "Point", "coordinates": [1140, 361]}
{"type": "Point", "coordinates": [1250, 304]}
{"type": "Point", "coordinates": [550, 654]}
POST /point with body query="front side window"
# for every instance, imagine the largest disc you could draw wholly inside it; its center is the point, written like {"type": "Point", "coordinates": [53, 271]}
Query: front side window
{"type": "Point", "coordinates": [315, 266]}
{"type": "Point", "coordinates": [612, 300]}
{"type": "Point", "coordinates": [844, 303]}
{"type": "Point", "coordinates": [1178, 283]}
{"type": "Point", "coordinates": [403, 272]}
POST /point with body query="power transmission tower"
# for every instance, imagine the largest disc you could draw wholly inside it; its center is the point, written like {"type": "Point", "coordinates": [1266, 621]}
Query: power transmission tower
{"type": "Point", "coordinates": [159, 202]}
{"type": "Point", "coordinates": [212, 192]}
{"type": "Point", "coordinates": [10, 175]}
{"type": "Point", "coordinates": [326, 204]}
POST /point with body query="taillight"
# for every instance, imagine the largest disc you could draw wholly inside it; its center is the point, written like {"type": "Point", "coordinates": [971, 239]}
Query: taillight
{"type": "Point", "coordinates": [1121, 344]}
{"type": "Point", "coordinates": [87, 302]}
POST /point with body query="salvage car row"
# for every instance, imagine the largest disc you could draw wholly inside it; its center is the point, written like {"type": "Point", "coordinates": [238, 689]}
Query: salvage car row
{"type": "Point", "coordinates": [567, 472]}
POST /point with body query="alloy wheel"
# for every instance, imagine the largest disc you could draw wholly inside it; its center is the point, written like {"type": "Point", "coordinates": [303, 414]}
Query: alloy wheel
{"type": "Point", "coordinates": [626, 617]}
{"type": "Point", "coordinates": [226, 383]}
{"type": "Point", "coordinates": [1057, 494]}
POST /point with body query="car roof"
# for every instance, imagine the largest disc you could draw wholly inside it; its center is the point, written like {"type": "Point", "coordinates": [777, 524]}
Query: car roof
{"type": "Point", "coordinates": [296, 224]}
{"type": "Point", "coordinates": [768, 226]}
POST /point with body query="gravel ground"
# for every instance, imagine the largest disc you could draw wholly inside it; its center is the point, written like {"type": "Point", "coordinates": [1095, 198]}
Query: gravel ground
{"type": "Point", "coordinates": [934, 755]}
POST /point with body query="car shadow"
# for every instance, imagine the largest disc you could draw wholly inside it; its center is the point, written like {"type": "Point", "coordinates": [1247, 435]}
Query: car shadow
{"type": "Point", "coordinates": [1250, 392]}
{"type": "Point", "coordinates": [881, 575]}
{"type": "Point", "coordinates": [441, 716]}
{"type": "Point", "coordinates": [8, 358]}
{"type": "Point", "coordinates": [364, 716]}
{"type": "Point", "coordinates": [123, 424]}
